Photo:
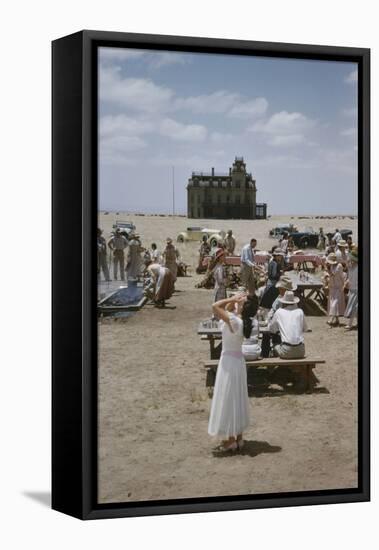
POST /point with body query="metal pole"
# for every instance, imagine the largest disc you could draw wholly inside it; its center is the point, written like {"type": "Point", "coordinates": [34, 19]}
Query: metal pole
{"type": "Point", "coordinates": [173, 190]}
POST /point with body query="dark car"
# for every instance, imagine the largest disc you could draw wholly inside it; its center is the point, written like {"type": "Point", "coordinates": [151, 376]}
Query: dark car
{"type": "Point", "coordinates": [309, 238]}
{"type": "Point", "coordinates": [305, 239]}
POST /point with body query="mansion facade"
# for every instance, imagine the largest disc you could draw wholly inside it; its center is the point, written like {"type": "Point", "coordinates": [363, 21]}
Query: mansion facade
{"type": "Point", "coordinates": [224, 196]}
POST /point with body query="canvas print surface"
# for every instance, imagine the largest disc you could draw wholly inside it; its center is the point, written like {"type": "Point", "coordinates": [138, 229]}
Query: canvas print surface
{"type": "Point", "coordinates": [227, 275]}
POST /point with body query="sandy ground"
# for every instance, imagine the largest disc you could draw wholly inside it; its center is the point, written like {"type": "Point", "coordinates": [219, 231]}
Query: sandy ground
{"type": "Point", "coordinates": [154, 404]}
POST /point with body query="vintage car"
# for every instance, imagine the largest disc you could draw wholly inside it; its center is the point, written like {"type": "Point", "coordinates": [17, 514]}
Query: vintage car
{"type": "Point", "coordinates": [308, 238]}
{"type": "Point", "coordinates": [282, 228]}
{"type": "Point", "coordinates": [125, 227]}
{"type": "Point", "coordinates": [214, 236]}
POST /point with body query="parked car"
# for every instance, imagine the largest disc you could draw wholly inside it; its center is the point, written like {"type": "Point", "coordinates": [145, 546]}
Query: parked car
{"type": "Point", "coordinates": [308, 238]}
{"type": "Point", "coordinates": [125, 227]}
{"type": "Point", "coordinates": [282, 228]}
{"type": "Point", "coordinates": [215, 236]}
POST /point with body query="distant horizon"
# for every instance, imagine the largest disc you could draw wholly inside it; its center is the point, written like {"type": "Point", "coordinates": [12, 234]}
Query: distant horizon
{"type": "Point", "coordinates": [184, 214]}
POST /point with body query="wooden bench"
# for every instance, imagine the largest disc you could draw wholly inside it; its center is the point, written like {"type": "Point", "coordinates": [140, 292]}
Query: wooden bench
{"type": "Point", "coordinates": [304, 367]}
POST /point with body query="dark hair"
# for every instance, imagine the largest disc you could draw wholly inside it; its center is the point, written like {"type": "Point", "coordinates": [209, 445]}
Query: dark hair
{"type": "Point", "coordinates": [253, 240]}
{"type": "Point", "coordinates": [153, 245]}
{"type": "Point", "coordinates": [249, 310]}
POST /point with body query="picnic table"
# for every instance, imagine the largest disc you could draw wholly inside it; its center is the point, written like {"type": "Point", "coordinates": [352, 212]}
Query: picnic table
{"type": "Point", "coordinates": [210, 331]}
{"type": "Point", "coordinates": [308, 288]}
{"type": "Point", "coordinates": [302, 260]}
{"type": "Point", "coordinates": [235, 261]}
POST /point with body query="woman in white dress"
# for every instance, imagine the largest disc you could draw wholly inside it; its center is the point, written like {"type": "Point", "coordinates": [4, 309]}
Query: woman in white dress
{"type": "Point", "coordinates": [230, 404]}
{"type": "Point", "coordinates": [335, 280]}
{"type": "Point", "coordinates": [351, 312]}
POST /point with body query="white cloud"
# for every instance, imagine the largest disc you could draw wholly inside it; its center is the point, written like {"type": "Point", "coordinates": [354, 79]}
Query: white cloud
{"type": "Point", "coordinates": [223, 102]}
{"type": "Point", "coordinates": [286, 141]}
{"type": "Point", "coordinates": [115, 149]}
{"type": "Point", "coordinates": [352, 77]}
{"type": "Point", "coordinates": [250, 109]}
{"type": "Point", "coordinates": [182, 132]}
{"type": "Point", "coordinates": [135, 93]}
{"type": "Point", "coordinates": [349, 132]}
{"type": "Point", "coordinates": [284, 129]}
{"type": "Point", "coordinates": [110, 125]}
{"type": "Point", "coordinates": [221, 138]}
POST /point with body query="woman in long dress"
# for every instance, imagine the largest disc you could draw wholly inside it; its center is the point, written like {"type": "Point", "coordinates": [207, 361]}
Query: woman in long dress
{"type": "Point", "coordinates": [134, 259]}
{"type": "Point", "coordinates": [171, 256]}
{"type": "Point", "coordinates": [164, 283]}
{"type": "Point", "coordinates": [335, 281]}
{"type": "Point", "coordinates": [219, 276]}
{"type": "Point", "coordinates": [229, 415]}
{"type": "Point", "coordinates": [351, 311]}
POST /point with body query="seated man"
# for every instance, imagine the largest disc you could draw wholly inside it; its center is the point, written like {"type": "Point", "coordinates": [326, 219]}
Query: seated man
{"type": "Point", "coordinates": [284, 284]}
{"type": "Point", "coordinates": [290, 321]}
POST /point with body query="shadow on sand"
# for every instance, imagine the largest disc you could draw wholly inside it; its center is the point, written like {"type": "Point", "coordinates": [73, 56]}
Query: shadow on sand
{"type": "Point", "coordinates": [250, 448]}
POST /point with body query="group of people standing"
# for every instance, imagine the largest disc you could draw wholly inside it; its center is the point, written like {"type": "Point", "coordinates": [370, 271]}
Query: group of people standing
{"type": "Point", "coordinates": [130, 258]}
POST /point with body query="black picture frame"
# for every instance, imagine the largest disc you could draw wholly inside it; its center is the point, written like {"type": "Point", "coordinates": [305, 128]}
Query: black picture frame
{"type": "Point", "coordinates": [74, 335]}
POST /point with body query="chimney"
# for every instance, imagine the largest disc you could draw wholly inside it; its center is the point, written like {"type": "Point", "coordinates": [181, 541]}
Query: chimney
{"type": "Point", "coordinates": [213, 171]}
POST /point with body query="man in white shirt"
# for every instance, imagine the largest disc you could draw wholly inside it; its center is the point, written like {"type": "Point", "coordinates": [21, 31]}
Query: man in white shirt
{"type": "Point", "coordinates": [247, 267]}
{"type": "Point", "coordinates": [336, 237]}
{"type": "Point", "coordinates": [290, 321]}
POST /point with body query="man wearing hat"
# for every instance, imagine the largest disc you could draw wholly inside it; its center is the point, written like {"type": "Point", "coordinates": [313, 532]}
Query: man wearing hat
{"type": "Point", "coordinates": [102, 264]}
{"type": "Point", "coordinates": [321, 239]}
{"type": "Point", "coordinates": [284, 284]}
{"type": "Point", "coordinates": [289, 321]}
{"type": "Point", "coordinates": [230, 243]}
{"type": "Point", "coordinates": [117, 244]}
{"type": "Point", "coordinates": [248, 265]}
{"type": "Point", "coordinates": [336, 237]}
{"type": "Point", "coordinates": [170, 257]}
{"type": "Point", "coordinates": [274, 270]}
{"type": "Point", "coordinates": [219, 276]}
{"type": "Point", "coordinates": [351, 311]}
{"type": "Point", "coordinates": [341, 252]}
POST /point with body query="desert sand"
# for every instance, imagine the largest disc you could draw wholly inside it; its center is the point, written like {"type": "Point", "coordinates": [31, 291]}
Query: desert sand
{"type": "Point", "coordinates": [154, 403]}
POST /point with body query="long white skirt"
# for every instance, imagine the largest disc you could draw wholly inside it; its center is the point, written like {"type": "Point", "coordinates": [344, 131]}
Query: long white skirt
{"type": "Point", "coordinates": [230, 405]}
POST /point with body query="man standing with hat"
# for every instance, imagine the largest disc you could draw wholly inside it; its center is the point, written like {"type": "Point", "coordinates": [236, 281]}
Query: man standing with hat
{"type": "Point", "coordinates": [117, 244]}
{"type": "Point", "coordinates": [275, 268]}
{"type": "Point", "coordinates": [248, 266]}
{"type": "Point", "coordinates": [102, 264]}
{"type": "Point", "coordinates": [290, 321]}
{"type": "Point", "coordinates": [230, 243]}
{"type": "Point", "coordinates": [341, 252]}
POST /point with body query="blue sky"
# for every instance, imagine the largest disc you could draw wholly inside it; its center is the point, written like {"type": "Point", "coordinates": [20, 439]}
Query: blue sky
{"type": "Point", "coordinates": [294, 122]}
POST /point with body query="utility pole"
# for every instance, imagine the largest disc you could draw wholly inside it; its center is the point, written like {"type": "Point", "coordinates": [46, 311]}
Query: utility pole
{"type": "Point", "coordinates": [173, 190]}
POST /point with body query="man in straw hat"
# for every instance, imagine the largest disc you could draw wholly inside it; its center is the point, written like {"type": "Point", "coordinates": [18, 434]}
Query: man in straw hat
{"type": "Point", "coordinates": [117, 244]}
{"type": "Point", "coordinates": [102, 264]}
{"type": "Point", "coordinates": [334, 281]}
{"type": "Point", "coordinates": [285, 283]}
{"type": "Point", "coordinates": [290, 321]}
{"type": "Point", "coordinates": [229, 243]}
{"type": "Point", "coordinates": [341, 252]}
{"type": "Point", "coordinates": [351, 311]}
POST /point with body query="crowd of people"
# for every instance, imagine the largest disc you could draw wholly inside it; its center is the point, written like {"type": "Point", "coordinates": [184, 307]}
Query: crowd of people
{"type": "Point", "coordinates": [134, 262]}
{"type": "Point", "coordinates": [277, 303]}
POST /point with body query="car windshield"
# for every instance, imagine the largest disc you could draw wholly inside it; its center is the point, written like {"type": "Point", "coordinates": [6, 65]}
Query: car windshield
{"type": "Point", "coordinates": [308, 230]}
